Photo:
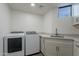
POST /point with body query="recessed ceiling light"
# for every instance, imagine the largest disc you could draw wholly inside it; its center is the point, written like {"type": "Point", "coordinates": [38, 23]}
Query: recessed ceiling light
{"type": "Point", "coordinates": [33, 4]}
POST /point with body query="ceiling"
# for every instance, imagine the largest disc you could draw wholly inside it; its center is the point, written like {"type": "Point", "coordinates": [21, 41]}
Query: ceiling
{"type": "Point", "coordinates": [40, 8]}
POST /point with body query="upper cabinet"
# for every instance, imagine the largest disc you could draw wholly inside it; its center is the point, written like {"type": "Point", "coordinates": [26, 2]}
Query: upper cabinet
{"type": "Point", "coordinates": [75, 10]}
{"type": "Point", "coordinates": [75, 14]}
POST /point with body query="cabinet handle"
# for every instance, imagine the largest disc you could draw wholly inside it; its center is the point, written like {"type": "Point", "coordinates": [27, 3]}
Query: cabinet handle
{"type": "Point", "coordinates": [58, 51]}
{"type": "Point", "coordinates": [56, 48]}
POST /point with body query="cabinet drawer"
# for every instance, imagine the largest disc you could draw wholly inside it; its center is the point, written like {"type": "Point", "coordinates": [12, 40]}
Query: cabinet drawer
{"type": "Point", "coordinates": [58, 42]}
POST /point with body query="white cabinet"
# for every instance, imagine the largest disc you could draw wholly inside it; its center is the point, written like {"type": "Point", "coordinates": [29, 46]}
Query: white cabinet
{"type": "Point", "coordinates": [75, 14]}
{"type": "Point", "coordinates": [75, 10]}
{"type": "Point", "coordinates": [75, 21]}
{"type": "Point", "coordinates": [65, 50]}
{"type": "Point", "coordinates": [57, 47]}
{"type": "Point", "coordinates": [42, 46]}
{"type": "Point", "coordinates": [76, 48]}
{"type": "Point", "coordinates": [50, 50]}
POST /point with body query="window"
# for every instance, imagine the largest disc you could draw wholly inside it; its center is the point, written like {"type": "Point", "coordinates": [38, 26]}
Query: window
{"type": "Point", "coordinates": [65, 11]}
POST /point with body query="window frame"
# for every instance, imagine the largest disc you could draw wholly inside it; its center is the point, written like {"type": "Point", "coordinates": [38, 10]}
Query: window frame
{"type": "Point", "coordinates": [65, 7]}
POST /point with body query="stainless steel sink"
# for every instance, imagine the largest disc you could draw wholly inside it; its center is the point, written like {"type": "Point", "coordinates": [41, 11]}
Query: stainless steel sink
{"type": "Point", "coordinates": [57, 35]}
{"type": "Point", "coordinates": [60, 36]}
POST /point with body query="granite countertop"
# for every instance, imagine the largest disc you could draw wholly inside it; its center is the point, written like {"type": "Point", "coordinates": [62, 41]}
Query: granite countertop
{"type": "Point", "coordinates": [66, 37]}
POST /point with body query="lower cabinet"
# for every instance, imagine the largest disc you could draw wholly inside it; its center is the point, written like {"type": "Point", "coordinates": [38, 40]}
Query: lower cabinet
{"type": "Point", "coordinates": [50, 50]}
{"type": "Point", "coordinates": [57, 47]}
{"type": "Point", "coordinates": [76, 48]}
{"type": "Point", "coordinates": [65, 51]}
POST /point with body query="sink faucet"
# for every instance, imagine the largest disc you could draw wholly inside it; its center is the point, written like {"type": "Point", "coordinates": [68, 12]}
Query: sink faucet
{"type": "Point", "coordinates": [56, 31]}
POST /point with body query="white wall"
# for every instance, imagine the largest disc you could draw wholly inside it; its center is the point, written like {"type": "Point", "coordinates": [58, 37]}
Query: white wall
{"type": "Point", "coordinates": [4, 23]}
{"type": "Point", "coordinates": [64, 25]}
{"type": "Point", "coordinates": [22, 21]}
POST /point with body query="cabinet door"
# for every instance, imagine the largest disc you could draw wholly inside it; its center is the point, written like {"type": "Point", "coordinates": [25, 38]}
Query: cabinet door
{"type": "Point", "coordinates": [76, 48]}
{"type": "Point", "coordinates": [65, 51]}
{"type": "Point", "coordinates": [50, 50]}
{"type": "Point", "coordinates": [42, 46]}
{"type": "Point", "coordinates": [75, 10]}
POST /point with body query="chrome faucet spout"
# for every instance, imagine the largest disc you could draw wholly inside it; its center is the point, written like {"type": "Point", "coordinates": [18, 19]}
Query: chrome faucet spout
{"type": "Point", "coordinates": [56, 31]}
